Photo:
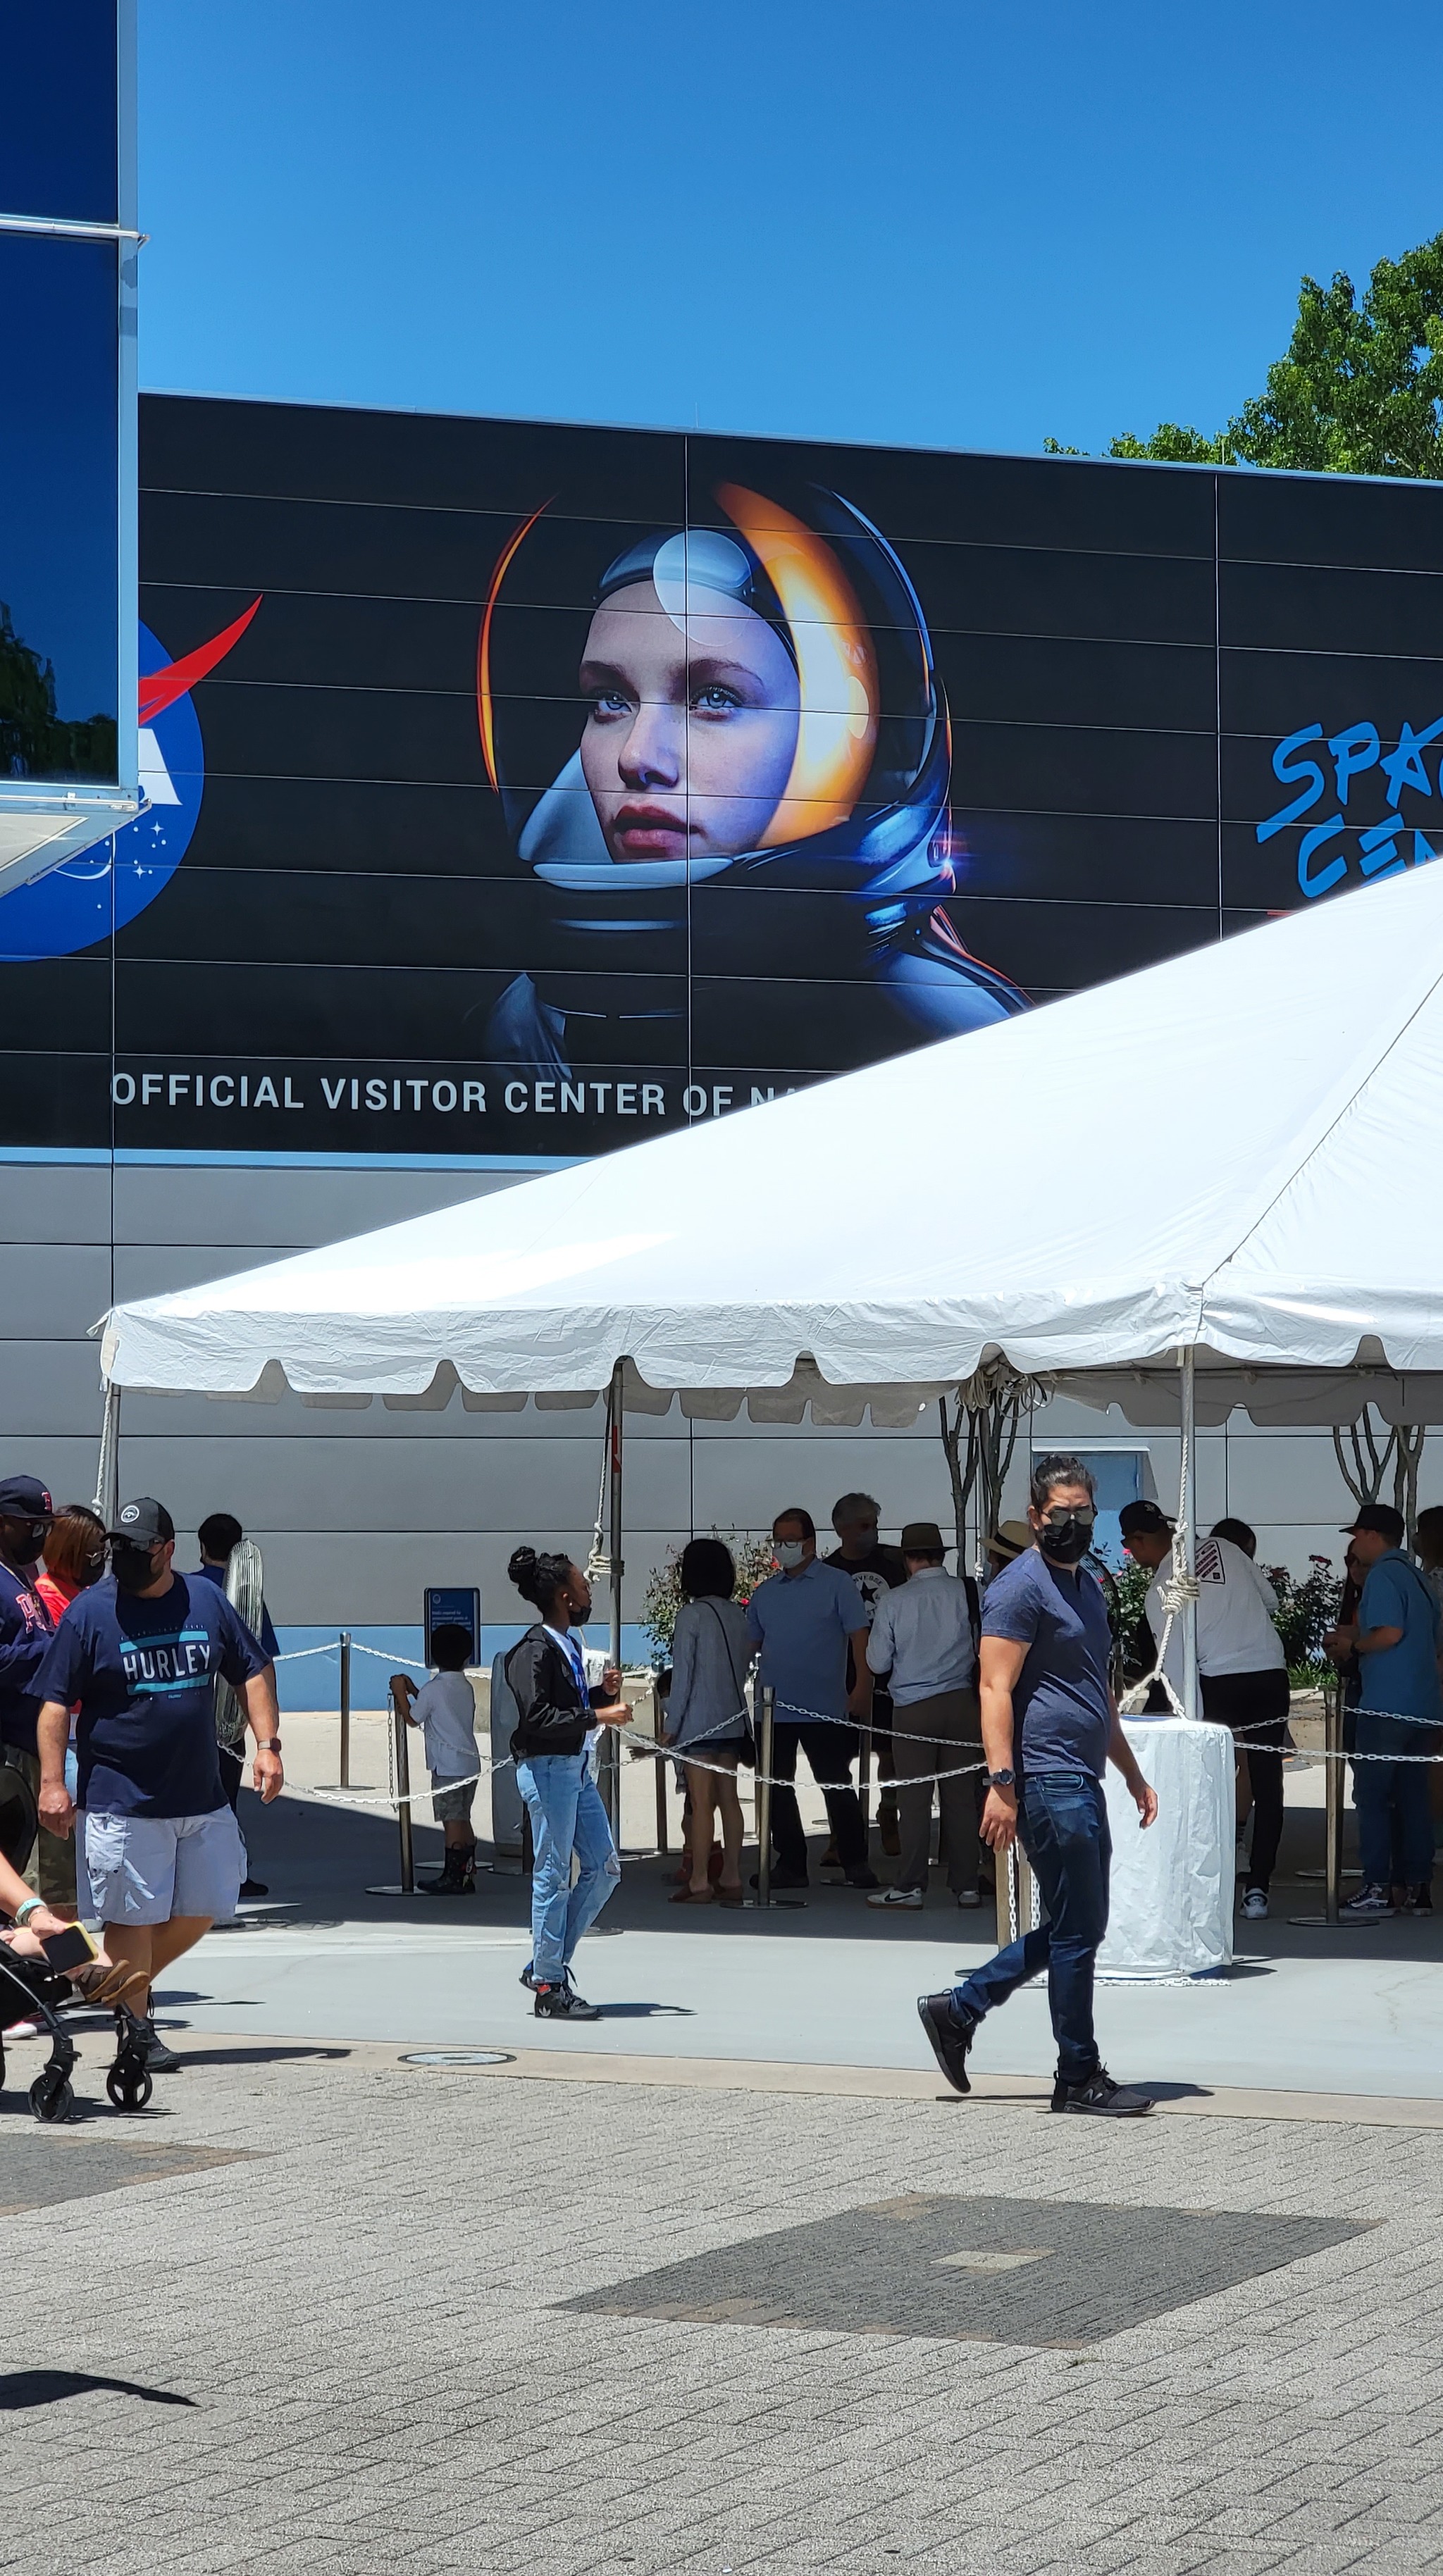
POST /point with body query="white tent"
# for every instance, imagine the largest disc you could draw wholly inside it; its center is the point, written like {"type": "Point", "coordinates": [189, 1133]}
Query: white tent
{"type": "Point", "coordinates": [1236, 1151]}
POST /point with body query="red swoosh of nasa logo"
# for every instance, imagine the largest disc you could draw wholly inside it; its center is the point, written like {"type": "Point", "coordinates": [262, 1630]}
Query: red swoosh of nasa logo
{"type": "Point", "coordinates": [160, 689]}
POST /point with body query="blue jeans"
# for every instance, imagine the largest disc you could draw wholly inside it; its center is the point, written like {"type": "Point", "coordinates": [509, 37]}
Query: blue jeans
{"type": "Point", "coordinates": [566, 1816]}
{"type": "Point", "coordinates": [1062, 1824]}
{"type": "Point", "coordinates": [1395, 1822]}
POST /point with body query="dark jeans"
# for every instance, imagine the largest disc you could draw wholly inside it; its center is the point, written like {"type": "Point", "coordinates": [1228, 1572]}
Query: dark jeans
{"type": "Point", "coordinates": [1395, 1823]}
{"type": "Point", "coordinates": [1062, 1823]}
{"type": "Point", "coordinates": [831, 1751]}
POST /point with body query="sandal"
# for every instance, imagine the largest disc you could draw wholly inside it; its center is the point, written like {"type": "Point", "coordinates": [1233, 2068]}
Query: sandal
{"type": "Point", "coordinates": [693, 1896]}
{"type": "Point", "coordinates": [730, 1896]}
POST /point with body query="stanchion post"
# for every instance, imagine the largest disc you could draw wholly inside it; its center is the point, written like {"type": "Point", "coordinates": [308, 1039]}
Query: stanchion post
{"type": "Point", "coordinates": [765, 1746]}
{"type": "Point", "coordinates": [403, 1795]}
{"type": "Point", "coordinates": [663, 1832]}
{"type": "Point", "coordinates": [864, 1780]}
{"type": "Point", "coordinates": [1333, 1696]}
{"type": "Point", "coordinates": [345, 1708]}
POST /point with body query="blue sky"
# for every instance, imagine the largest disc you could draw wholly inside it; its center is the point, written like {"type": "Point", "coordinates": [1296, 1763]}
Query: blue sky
{"type": "Point", "coordinates": [944, 223]}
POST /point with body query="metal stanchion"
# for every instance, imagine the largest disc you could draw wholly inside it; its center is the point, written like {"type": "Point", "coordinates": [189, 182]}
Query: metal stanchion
{"type": "Point", "coordinates": [663, 1825]}
{"type": "Point", "coordinates": [403, 1796]}
{"type": "Point", "coordinates": [864, 1780]}
{"type": "Point", "coordinates": [345, 1708]}
{"type": "Point", "coordinates": [1334, 1694]}
{"type": "Point", "coordinates": [765, 1745]}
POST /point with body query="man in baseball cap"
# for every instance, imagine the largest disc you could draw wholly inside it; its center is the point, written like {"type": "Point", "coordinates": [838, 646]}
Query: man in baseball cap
{"type": "Point", "coordinates": [26, 1513]}
{"type": "Point", "coordinates": [136, 1658]}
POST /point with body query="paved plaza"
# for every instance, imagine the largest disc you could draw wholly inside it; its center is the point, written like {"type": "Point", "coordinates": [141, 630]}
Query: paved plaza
{"type": "Point", "coordinates": [325, 2310]}
{"type": "Point", "coordinates": [734, 2286]}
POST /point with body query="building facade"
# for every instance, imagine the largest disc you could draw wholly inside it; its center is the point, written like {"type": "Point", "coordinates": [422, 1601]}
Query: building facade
{"type": "Point", "coordinates": [517, 790]}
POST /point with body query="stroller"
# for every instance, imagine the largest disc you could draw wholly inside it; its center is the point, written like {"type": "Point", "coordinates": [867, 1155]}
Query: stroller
{"type": "Point", "coordinates": [29, 1988]}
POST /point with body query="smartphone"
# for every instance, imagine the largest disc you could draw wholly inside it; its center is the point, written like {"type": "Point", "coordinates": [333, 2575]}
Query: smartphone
{"type": "Point", "coordinates": [72, 1948]}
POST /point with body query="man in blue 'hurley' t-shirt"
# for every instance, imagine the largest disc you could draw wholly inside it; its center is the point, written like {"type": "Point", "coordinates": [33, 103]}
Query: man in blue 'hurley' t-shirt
{"type": "Point", "coordinates": [136, 1657]}
{"type": "Point", "coordinates": [1049, 1729]}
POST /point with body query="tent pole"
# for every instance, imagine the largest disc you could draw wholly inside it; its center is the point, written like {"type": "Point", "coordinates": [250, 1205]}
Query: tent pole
{"type": "Point", "coordinates": [611, 1742]}
{"type": "Point", "coordinates": [107, 1465]}
{"type": "Point", "coordinates": [1187, 1505]}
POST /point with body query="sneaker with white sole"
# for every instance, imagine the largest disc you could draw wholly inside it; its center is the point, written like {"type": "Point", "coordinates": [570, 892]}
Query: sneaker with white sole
{"type": "Point", "coordinates": [911, 1897]}
{"type": "Point", "coordinates": [1370, 1905]}
{"type": "Point", "coordinates": [1255, 1904]}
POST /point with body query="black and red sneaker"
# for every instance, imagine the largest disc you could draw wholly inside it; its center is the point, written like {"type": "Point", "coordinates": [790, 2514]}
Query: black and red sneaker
{"type": "Point", "coordinates": [563, 2003]}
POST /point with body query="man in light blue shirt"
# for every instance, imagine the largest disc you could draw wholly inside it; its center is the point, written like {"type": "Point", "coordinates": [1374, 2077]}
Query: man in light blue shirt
{"type": "Point", "coordinates": [1399, 1711]}
{"type": "Point", "coordinates": [805, 1618]}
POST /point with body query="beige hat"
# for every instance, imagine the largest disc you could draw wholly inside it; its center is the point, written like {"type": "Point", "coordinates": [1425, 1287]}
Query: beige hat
{"type": "Point", "coordinates": [1010, 1538]}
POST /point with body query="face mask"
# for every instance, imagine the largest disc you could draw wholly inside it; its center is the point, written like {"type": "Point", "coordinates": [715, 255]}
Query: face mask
{"type": "Point", "coordinates": [789, 1553]}
{"type": "Point", "coordinates": [132, 1567]}
{"type": "Point", "coordinates": [1068, 1540]}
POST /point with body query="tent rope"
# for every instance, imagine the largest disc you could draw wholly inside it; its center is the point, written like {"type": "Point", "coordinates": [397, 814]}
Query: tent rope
{"type": "Point", "coordinates": [1175, 1596]}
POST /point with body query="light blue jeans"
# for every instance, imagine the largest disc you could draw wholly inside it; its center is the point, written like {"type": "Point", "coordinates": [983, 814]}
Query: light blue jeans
{"type": "Point", "coordinates": [567, 1816]}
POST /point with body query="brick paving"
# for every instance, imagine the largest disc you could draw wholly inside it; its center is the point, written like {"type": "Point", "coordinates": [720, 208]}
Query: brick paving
{"type": "Point", "coordinates": [368, 2318]}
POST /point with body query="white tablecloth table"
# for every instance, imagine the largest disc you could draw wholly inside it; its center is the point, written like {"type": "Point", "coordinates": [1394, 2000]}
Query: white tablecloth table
{"type": "Point", "coordinates": [1172, 1887]}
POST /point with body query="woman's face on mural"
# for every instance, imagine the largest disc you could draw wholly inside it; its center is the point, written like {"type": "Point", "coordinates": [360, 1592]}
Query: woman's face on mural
{"type": "Point", "coordinates": [688, 744]}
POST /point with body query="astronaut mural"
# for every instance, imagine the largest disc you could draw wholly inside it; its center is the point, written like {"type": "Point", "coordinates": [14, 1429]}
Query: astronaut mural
{"type": "Point", "coordinates": [518, 789]}
{"type": "Point", "coordinates": [760, 714]}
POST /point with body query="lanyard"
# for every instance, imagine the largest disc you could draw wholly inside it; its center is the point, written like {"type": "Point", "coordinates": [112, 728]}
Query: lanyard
{"type": "Point", "coordinates": [574, 1657]}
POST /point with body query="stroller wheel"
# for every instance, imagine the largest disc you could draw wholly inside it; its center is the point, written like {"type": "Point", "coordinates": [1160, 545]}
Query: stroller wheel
{"type": "Point", "coordinates": [51, 2098]}
{"type": "Point", "coordinates": [129, 2092]}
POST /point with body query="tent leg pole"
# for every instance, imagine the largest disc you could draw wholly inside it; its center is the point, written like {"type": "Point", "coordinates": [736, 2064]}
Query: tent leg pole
{"type": "Point", "coordinates": [107, 1465]}
{"type": "Point", "coordinates": [1187, 1506]}
{"type": "Point", "coordinates": [611, 1741]}
{"type": "Point", "coordinates": [1333, 1796]}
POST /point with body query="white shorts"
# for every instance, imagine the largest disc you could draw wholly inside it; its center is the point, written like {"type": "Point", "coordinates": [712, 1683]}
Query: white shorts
{"type": "Point", "coordinates": [145, 1869]}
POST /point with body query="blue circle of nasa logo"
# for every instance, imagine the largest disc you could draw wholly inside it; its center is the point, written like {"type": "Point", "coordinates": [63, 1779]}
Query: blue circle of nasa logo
{"type": "Point", "coordinates": [131, 1512]}
{"type": "Point", "coordinates": [87, 897]}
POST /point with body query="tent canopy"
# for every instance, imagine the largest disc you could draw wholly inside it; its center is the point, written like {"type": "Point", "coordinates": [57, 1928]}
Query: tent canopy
{"type": "Point", "coordinates": [1237, 1150]}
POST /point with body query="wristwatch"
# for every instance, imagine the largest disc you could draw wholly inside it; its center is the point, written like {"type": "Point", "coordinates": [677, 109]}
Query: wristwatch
{"type": "Point", "coordinates": [1001, 1779]}
{"type": "Point", "coordinates": [272, 1744]}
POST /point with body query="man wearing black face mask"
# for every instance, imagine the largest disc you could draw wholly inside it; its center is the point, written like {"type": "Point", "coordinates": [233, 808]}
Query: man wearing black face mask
{"type": "Point", "coordinates": [1049, 1728]}
{"type": "Point", "coordinates": [137, 1656]}
{"type": "Point", "coordinates": [26, 1628]}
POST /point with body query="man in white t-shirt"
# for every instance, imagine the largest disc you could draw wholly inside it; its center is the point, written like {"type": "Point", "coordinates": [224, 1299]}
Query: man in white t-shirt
{"type": "Point", "coordinates": [1242, 1670]}
{"type": "Point", "coordinates": [445, 1709]}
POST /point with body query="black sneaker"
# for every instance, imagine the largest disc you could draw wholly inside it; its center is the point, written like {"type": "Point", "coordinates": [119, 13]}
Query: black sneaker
{"type": "Point", "coordinates": [562, 2003]}
{"type": "Point", "coordinates": [251, 1890]}
{"type": "Point", "coordinates": [863, 1877]}
{"type": "Point", "coordinates": [1420, 1900]}
{"type": "Point", "coordinates": [951, 2033]}
{"type": "Point", "coordinates": [1098, 2094]}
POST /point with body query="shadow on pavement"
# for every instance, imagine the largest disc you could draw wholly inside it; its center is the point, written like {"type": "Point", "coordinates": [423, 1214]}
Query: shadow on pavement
{"type": "Point", "coordinates": [21, 2388]}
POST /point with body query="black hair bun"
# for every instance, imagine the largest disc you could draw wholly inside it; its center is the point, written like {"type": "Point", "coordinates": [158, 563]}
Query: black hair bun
{"type": "Point", "coordinates": [522, 1570]}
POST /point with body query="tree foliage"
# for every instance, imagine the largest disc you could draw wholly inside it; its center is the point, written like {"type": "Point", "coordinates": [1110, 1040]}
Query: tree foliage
{"type": "Point", "coordinates": [1359, 391]}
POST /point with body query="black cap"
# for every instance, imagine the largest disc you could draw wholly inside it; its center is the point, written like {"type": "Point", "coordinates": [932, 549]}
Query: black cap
{"type": "Point", "coordinates": [24, 1498]}
{"type": "Point", "coordinates": [142, 1523]}
{"type": "Point", "coordinates": [1144, 1516]}
{"type": "Point", "coordinates": [1382, 1518]}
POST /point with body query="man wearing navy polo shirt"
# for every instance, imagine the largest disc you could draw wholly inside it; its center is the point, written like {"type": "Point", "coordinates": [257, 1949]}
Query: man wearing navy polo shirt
{"type": "Point", "coordinates": [808, 1618]}
{"type": "Point", "coordinates": [136, 1657]}
{"type": "Point", "coordinates": [1049, 1728]}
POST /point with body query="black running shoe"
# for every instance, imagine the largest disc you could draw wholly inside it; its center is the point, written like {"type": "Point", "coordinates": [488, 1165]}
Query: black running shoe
{"type": "Point", "coordinates": [1420, 1900]}
{"type": "Point", "coordinates": [252, 1890]}
{"type": "Point", "coordinates": [863, 1876]}
{"type": "Point", "coordinates": [951, 2034]}
{"type": "Point", "coordinates": [1099, 2094]}
{"type": "Point", "coordinates": [562, 2003]}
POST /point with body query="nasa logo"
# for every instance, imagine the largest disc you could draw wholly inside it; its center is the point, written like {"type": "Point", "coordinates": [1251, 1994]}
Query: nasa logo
{"type": "Point", "coordinates": [108, 885]}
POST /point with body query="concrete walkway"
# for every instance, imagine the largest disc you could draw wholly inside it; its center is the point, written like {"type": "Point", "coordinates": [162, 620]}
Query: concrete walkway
{"type": "Point", "coordinates": [832, 1984]}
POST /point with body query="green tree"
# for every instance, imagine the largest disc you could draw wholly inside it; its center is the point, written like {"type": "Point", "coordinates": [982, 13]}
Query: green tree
{"type": "Point", "coordinates": [35, 742]}
{"type": "Point", "coordinates": [1360, 390]}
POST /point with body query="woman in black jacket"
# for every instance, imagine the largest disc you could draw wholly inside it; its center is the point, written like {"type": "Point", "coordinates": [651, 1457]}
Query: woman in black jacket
{"type": "Point", "coordinates": [556, 1714]}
